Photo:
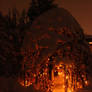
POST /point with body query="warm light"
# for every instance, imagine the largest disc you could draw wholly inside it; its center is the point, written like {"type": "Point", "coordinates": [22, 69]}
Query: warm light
{"type": "Point", "coordinates": [61, 77]}
{"type": "Point", "coordinates": [25, 83]}
{"type": "Point", "coordinates": [60, 73]}
{"type": "Point", "coordinates": [58, 68]}
{"type": "Point", "coordinates": [86, 82]}
{"type": "Point", "coordinates": [66, 77]}
{"type": "Point", "coordinates": [63, 86]}
{"type": "Point", "coordinates": [59, 81]}
{"type": "Point", "coordinates": [69, 91]}
{"type": "Point", "coordinates": [90, 42]}
{"type": "Point", "coordinates": [80, 86]}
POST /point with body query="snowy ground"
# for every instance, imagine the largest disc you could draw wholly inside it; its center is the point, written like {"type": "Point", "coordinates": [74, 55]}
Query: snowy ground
{"type": "Point", "coordinates": [10, 85]}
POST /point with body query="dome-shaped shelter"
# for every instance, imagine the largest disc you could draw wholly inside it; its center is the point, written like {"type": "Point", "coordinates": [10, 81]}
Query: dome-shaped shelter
{"type": "Point", "coordinates": [55, 42]}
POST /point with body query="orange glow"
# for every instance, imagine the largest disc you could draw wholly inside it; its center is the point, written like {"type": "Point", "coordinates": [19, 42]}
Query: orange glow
{"type": "Point", "coordinates": [64, 81]}
{"type": "Point", "coordinates": [67, 77]}
{"type": "Point", "coordinates": [59, 82]}
{"type": "Point", "coordinates": [60, 73]}
{"type": "Point", "coordinates": [90, 42]}
{"type": "Point", "coordinates": [25, 83]}
{"type": "Point", "coordinates": [69, 90]}
{"type": "Point", "coordinates": [86, 82]}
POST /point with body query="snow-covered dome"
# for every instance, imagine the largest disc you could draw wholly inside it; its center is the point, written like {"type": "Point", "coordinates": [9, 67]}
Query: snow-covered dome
{"type": "Point", "coordinates": [57, 37]}
{"type": "Point", "coordinates": [55, 29]}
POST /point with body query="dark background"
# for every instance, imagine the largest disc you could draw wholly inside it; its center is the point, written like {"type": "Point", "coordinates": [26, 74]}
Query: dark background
{"type": "Point", "coordinates": [80, 9]}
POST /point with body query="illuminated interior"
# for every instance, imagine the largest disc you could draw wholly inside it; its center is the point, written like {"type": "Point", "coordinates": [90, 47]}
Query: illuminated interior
{"type": "Point", "coordinates": [63, 78]}
{"type": "Point", "coordinates": [65, 81]}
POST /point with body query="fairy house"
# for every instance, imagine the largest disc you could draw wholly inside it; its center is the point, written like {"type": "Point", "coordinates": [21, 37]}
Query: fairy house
{"type": "Point", "coordinates": [55, 50]}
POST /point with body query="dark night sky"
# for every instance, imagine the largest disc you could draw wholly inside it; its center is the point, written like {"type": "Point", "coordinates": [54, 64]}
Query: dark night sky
{"type": "Point", "coordinates": [80, 9]}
